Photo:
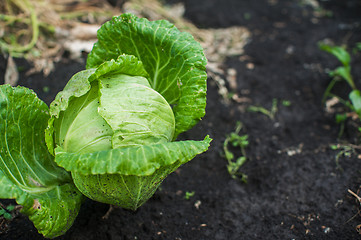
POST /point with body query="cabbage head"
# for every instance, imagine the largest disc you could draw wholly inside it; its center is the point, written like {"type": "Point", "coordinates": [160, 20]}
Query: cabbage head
{"type": "Point", "coordinates": [114, 125]}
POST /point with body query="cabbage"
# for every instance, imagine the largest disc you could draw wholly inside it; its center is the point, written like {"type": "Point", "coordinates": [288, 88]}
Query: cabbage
{"type": "Point", "coordinates": [111, 133]}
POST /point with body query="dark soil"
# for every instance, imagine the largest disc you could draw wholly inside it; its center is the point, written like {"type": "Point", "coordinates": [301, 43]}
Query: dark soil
{"type": "Point", "coordinates": [295, 189]}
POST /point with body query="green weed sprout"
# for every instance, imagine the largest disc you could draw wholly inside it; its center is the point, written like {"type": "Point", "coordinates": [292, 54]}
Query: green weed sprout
{"type": "Point", "coordinates": [269, 113]}
{"type": "Point", "coordinates": [342, 73]}
{"type": "Point", "coordinates": [188, 195]}
{"type": "Point", "coordinates": [357, 48]}
{"type": "Point", "coordinates": [6, 212]}
{"type": "Point", "coordinates": [236, 140]}
{"type": "Point", "coordinates": [274, 108]}
{"type": "Point", "coordinates": [344, 151]}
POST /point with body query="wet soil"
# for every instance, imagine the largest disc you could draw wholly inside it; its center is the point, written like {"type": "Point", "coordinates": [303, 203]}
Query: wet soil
{"type": "Point", "coordinates": [296, 189]}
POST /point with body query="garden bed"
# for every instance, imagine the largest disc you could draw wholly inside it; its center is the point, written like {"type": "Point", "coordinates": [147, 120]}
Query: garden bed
{"type": "Point", "coordinates": [295, 187]}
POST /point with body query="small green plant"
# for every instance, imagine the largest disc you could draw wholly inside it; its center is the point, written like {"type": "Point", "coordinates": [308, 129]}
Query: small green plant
{"type": "Point", "coordinates": [341, 119]}
{"type": "Point", "coordinates": [269, 113]}
{"type": "Point", "coordinates": [286, 103]}
{"type": "Point", "coordinates": [342, 73]}
{"type": "Point", "coordinates": [6, 212]}
{"type": "Point", "coordinates": [344, 150]}
{"type": "Point", "coordinates": [274, 108]}
{"type": "Point", "coordinates": [357, 48]}
{"type": "Point", "coordinates": [323, 12]}
{"type": "Point", "coordinates": [236, 140]}
{"type": "Point", "coordinates": [188, 195]}
{"type": "Point", "coordinates": [247, 16]}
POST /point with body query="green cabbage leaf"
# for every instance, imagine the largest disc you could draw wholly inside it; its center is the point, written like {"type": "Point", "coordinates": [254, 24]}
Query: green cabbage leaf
{"type": "Point", "coordinates": [28, 172]}
{"type": "Point", "coordinates": [174, 61]}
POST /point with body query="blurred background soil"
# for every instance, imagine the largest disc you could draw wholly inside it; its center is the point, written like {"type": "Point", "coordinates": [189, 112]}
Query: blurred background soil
{"type": "Point", "coordinates": [261, 53]}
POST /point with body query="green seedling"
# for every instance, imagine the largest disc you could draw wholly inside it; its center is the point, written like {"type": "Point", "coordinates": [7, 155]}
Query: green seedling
{"type": "Point", "coordinates": [286, 103]}
{"type": "Point", "coordinates": [323, 12]}
{"type": "Point", "coordinates": [342, 73]}
{"type": "Point", "coordinates": [7, 212]}
{"type": "Point", "coordinates": [247, 16]}
{"type": "Point", "coordinates": [46, 89]}
{"type": "Point", "coordinates": [269, 113]}
{"type": "Point", "coordinates": [344, 57]}
{"type": "Point", "coordinates": [357, 48]}
{"type": "Point", "coordinates": [236, 140]}
{"type": "Point", "coordinates": [341, 119]}
{"type": "Point", "coordinates": [344, 150]}
{"type": "Point", "coordinates": [188, 195]}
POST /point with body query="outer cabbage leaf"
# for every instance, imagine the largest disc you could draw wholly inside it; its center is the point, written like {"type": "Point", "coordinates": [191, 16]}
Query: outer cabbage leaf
{"type": "Point", "coordinates": [127, 176]}
{"type": "Point", "coordinates": [52, 212]}
{"type": "Point", "coordinates": [8, 189]}
{"type": "Point", "coordinates": [24, 158]}
{"type": "Point", "coordinates": [28, 172]}
{"type": "Point", "coordinates": [174, 61]}
{"type": "Point", "coordinates": [141, 160]}
{"type": "Point", "coordinates": [126, 191]}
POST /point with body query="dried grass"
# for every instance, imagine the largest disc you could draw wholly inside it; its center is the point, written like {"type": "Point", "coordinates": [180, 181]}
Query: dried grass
{"type": "Point", "coordinates": [70, 25]}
